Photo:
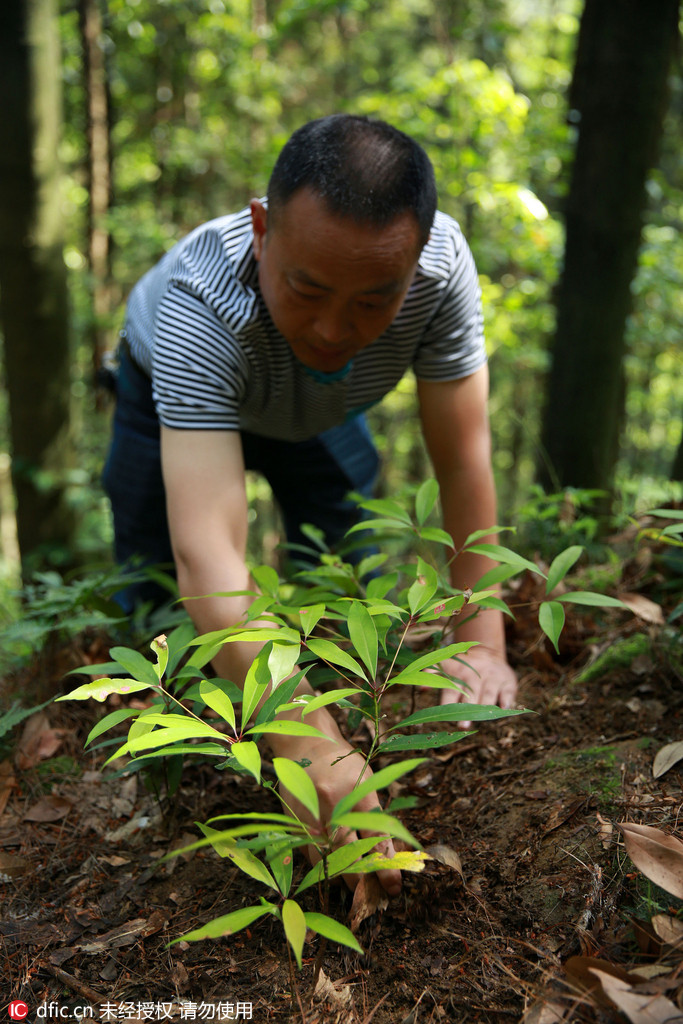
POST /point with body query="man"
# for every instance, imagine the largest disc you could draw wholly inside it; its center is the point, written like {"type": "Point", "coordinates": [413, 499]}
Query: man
{"type": "Point", "coordinates": [266, 334]}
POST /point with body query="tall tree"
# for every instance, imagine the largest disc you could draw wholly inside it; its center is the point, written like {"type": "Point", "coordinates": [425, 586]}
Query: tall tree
{"type": "Point", "coordinates": [33, 288]}
{"type": "Point", "coordinates": [98, 173]}
{"type": "Point", "coordinates": [618, 101]}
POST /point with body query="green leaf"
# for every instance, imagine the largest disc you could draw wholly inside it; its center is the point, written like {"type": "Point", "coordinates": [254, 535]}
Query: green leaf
{"type": "Point", "coordinates": [256, 682]}
{"type": "Point", "coordinates": [214, 698]}
{"type": "Point", "coordinates": [226, 846]}
{"type": "Point", "coordinates": [247, 754]}
{"type": "Point", "coordinates": [551, 621]}
{"type": "Point", "coordinates": [297, 780]}
{"type": "Point", "coordinates": [280, 857]}
{"type": "Point", "coordinates": [379, 587]}
{"type": "Point", "coordinates": [370, 563]}
{"type": "Point", "coordinates": [334, 655]}
{"type": "Point", "coordinates": [435, 535]}
{"type": "Point", "coordinates": [226, 925]}
{"type": "Point", "coordinates": [379, 780]}
{"type": "Point", "coordinates": [331, 929]}
{"type": "Point", "coordinates": [478, 534]}
{"type": "Point", "coordinates": [207, 749]}
{"type": "Point", "coordinates": [339, 861]}
{"type": "Point", "coordinates": [262, 634]}
{"type": "Point", "coordinates": [433, 658]}
{"type": "Point", "coordinates": [100, 689]}
{"type": "Point", "coordinates": [420, 593]}
{"type": "Point", "coordinates": [379, 524]}
{"type": "Point", "coordinates": [109, 721]}
{"type": "Point", "coordinates": [375, 821]}
{"type": "Point", "coordinates": [457, 713]}
{"type": "Point", "coordinates": [203, 654]}
{"type": "Point", "coordinates": [425, 500]}
{"type": "Point", "coordinates": [500, 554]}
{"type": "Point", "coordinates": [266, 579]}
{"type": "Point", "coordinates": [310, 617]}
{"type": "Point", "coordinates": [323, 699]}
{"type": "Point", "coordinates": [158, 738]}
{"type": "Point", "coordinates": [667, 513]}
{"type": "Point", "coordinates": [363, 634]}
{"type": "Point", "coordinates": [189, 731]}
{"type": "Point", "coordinates": [497, 575]}
{"type": "Point", "coordinates": [435, 680]}
{"type": "Point", "coordinates": [281, 661]}
{"type": "Point", "coordinates": [386, 507]}
{"type": "Point", "coordinates": [159, 646]}
{"type": "Point", "coordinates": [592, 600]}
{"type": "Point", "coordinates": [294, 923]}
{"type": "Point", "coordinates": [136, 664]}
{"type": "Point", "coordinates": [404, 860]}
{"type": "Point", "coordinates": [443, 607]}
{"type": "Point", "coordinates": [561, 565]}
{"type": "Point", "coordinates": [489, 600]}
{"type": "Point", "coordinates": [420, 741]}
{"type": "Point", "coordinates": [285, 728]}
{"type": "Point", "coordinates": [280, 695]}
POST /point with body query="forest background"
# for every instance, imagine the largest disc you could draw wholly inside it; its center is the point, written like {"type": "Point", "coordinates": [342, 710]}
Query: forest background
{"type": "Point", "coordinates": [129, 122]}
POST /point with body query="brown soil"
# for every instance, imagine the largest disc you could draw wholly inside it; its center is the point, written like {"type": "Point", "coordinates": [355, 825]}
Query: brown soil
{"type": "Point", "coordinates": [528, 804]}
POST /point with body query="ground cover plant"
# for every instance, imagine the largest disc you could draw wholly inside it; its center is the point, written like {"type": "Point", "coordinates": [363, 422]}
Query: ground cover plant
{"type": "Point", "coordinates": [462, 805]}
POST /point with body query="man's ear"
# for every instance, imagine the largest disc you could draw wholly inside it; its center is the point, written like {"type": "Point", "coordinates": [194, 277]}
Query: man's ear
{"type": "Point", "coordinates": [259, 218]}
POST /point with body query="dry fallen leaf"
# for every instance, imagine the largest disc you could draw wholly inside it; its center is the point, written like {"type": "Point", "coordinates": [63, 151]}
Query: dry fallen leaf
{"type": "Point", "coordinates": [38, 742]}
{"type": "Point", "coordinates": [446, 855]}
{"type": "Point", "coordinates": [116, 938]}
{"type": "Point", "coordinates": [640, 1008]}
{"type": "Point", "coordinates": [658, 855]}
{"type": "Point", "coordinates": [667, 757]}
{"type": "Point", "coordinates": [545, 1013]}
{"type": "Point", "coordinates": [606, 831]}
{"type": "Point", "coordinates": [11, 866]}
{"type": "Point", "coordinates": [644, 608]}
{"type": "Point", "coordinates": [649, 971]}
{"type": "Point", "coordinates": [368, 898]}
{"type": "Point", "coordinates": [49, 808]}
{"type": "Point", "coordinates": [581, 970]}
{"type": "Point", "coordinates": [337, 999]}
{"type": "Point", "coordinates": [7, 783]}
{"type": "Point", "coordinates": [669, 929]}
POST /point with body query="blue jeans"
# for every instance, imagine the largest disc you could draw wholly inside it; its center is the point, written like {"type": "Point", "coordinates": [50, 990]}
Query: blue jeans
{"type": "Point", "coordinates": [309, 479]}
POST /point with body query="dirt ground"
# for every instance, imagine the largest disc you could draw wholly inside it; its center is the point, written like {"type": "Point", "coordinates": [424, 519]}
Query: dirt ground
{"type": "Point", "coordinates": [527, 806]}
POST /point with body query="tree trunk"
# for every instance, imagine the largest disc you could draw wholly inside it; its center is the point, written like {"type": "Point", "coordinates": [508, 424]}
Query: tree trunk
{"type": "Point", "coordinates": [33, 287]}
{"type": "Point", "coordinates": [99, 175]}
{"type": "Point", "coordinates": [619, 92]}
{"type": "Point", "coordinates": [677, 468]}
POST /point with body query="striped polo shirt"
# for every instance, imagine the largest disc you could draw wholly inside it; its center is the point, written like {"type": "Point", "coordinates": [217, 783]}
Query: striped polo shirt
{"type": "Point", "coordinates": [197, 324]}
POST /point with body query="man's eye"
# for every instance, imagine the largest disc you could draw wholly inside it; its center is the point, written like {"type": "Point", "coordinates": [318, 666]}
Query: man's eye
{"type": "Point", "coordinates": [303, 294]}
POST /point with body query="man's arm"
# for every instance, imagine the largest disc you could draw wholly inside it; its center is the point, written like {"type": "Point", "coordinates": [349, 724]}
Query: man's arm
{"type": "Point", "coordinates": [207, 515]}
{"type": "Point", "coordinates": [456, 430]}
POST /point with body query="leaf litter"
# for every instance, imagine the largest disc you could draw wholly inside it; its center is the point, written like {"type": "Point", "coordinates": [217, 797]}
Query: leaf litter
{"type": "Point", "coordinates": [552, 840]}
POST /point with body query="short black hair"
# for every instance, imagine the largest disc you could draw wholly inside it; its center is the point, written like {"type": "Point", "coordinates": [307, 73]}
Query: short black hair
{"type": "Point", "coordinates": [362, 168]}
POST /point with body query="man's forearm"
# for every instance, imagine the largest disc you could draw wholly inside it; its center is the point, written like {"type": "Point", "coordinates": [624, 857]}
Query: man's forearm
{"type": "Point", "coordinates": [468, 500]}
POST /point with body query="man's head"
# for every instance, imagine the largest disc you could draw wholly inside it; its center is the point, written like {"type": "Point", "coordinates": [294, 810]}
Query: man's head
{"type": "Point", "coordinates": [364, 170]}
{"type": "Point", "coordinates": [350, 206]}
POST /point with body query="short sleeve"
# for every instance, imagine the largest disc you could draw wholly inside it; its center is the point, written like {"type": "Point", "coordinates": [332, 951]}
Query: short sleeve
{"type": "Point", "coordinates": [453, 344]}
{"type": "Point", "coordinates": [199, 372]}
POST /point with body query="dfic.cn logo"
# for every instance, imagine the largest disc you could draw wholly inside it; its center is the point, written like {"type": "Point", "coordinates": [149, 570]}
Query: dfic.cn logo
{"type": "Point", "coordinates": [18, 1010]}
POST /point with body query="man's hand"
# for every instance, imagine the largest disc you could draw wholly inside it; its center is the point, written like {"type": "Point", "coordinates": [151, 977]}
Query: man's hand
{"type": "Point", "coordinates": [487, 677]}
{"type": "Point", "coordinates": [332, 782]}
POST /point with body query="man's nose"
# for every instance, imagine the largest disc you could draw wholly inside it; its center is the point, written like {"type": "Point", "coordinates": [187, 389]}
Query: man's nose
{"type": "Point", "coordinates": [333, 327]}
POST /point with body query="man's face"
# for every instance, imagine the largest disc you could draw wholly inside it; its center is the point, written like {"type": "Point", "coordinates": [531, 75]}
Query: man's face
{"type": "Point", "coordinates": [331, 285]}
